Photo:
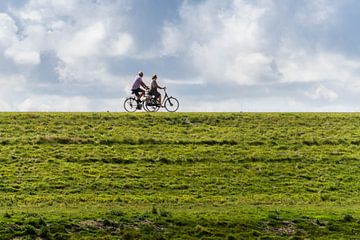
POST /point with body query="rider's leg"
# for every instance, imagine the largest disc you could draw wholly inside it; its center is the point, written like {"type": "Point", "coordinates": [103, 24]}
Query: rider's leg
{"type": "Point", "coordinates": [138, 100]}
{"type": "Point", "coordinates": [136, 92]}
{"type": "Point", "coordinates": [142, 93]}
{"type": "Point", "coordinates": [157, 98]}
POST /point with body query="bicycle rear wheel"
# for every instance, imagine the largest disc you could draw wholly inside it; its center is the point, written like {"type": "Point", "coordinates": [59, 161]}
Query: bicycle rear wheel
{"type": "Point", "coordinates": [152, 108]}
{"type": "Point", "coordinates": [130, 104]}
{"type": "Point", "coordinates": [171, 104]}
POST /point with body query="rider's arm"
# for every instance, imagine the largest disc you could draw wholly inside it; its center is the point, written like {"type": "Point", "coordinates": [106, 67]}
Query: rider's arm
{"type": "Point", "coordinates": [144, 85]}
{"type": "Point", "coordinates": [157, 86]}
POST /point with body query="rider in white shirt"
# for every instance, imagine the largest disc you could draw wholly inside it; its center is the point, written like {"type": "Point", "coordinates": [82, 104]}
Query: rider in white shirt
{"type": "Point", "coordinates": [136, 87]}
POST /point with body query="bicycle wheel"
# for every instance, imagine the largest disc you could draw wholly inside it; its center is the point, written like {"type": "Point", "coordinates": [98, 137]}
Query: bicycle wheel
{"type": "Point", "coordinates": [151, 108]}
{"type": "Point", "coordinates": [130, 104]}
{"type": "Point", "coordinates": [171, 104]}
{"type": "Point", "coordinates": [144, 106]}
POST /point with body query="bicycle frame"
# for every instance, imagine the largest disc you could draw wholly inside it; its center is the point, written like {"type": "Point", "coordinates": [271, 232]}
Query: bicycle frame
{"type": "Point", "coordinates": [166, 96]}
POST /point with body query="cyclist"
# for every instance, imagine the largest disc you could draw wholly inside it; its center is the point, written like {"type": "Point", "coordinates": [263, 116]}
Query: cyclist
{"type": "Point", "coordinates": [136, 87]}
{"type": "Point", "coordinates": [153, 89]}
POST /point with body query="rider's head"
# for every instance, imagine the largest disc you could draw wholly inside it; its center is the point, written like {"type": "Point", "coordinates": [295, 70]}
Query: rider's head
{"type": "Point", "coordinates": [141, 74]}
{"type": "Point", "coordinates": [154, 77]}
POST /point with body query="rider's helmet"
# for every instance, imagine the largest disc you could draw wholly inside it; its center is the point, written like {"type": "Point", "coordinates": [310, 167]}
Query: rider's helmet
{"type": "Point", "coordinates": [154, 77]}
{"type": "Point", "coordinates": [141, 74]}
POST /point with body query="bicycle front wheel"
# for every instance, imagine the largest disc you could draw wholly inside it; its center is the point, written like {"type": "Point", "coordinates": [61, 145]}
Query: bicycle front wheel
{"type": "Point", "coordinates": [130, 104]}
{"type": "Point", "coordinates": [171, 104]}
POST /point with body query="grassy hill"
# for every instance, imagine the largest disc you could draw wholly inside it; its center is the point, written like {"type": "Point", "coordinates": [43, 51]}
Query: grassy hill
{"type": "Point", "coordinates": [179, 176]}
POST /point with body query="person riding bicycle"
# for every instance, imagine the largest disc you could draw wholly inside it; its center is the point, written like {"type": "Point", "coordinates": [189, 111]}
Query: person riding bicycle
{"type": "Point", "coordinates": [136, 87]}
{"type": "Point", "coordinates": [153, 89]}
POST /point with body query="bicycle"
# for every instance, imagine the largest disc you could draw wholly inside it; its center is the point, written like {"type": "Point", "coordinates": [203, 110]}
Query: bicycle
{"type": "Point", "coordinates": [149, 103]}
{"type": "Point", "coordinates": [170, 103]}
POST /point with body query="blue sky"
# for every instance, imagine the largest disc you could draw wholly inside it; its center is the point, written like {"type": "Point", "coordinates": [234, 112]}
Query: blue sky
{"type": "Point", "coordinates": [230, 55]}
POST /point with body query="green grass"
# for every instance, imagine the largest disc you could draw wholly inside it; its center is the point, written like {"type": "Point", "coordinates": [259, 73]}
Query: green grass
{"type": "Point", "coordinates": [179, 176]}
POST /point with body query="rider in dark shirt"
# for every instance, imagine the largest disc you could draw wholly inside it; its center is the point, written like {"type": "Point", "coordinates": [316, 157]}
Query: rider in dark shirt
{"type": "Point", "coordinates": [154, 89]}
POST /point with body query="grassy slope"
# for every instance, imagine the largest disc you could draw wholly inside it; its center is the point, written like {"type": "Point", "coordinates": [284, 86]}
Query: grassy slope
{"type": "Point", "coordinates": [186, 175]}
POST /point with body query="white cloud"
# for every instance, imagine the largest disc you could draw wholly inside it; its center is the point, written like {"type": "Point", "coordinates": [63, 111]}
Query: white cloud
{"type": "Point", "coordinates": [87, 71]}
{"type": "Point", "coordinates": [303, 66]}
{"type": "Point", "coordinates": [82, 34]}
{"type": "Point", "coordinates": [85, 43]}
{"type": "Point", "coordinates": [51, 103]}
{"type": "Point", "coordinates": [235, 42]}
{"type": "Point", "coordinates": [227, 105]}
{"type": "Point", "coordinates": [4, 106]}
{"type": "Point", "coordinates": [294, 104]}
{"type": "Point", "coordinates": [121, 44]}
{"type": "Point", "coordinates": [8, 30]}
{"type": "Point", "coordinates": [183, 82]}
{"type": "Point", "coordinates": [250, 68]}
{"type": "Point", "coordinates": [12, 83]}
{"type": "Point", "coordinates": [224, 44]}
{"type": "Point", "coordinates": [262, 104]}
{"type": "Point", "coordinates": [23, 56]}
{"type": "Point", "coordinates": [46, 103]}
{"type": "Point", "coordinates": [11, 86]}
{"type": "Point", "coordinates": [27, 51]}
{"type": "Point", "coordinates": [322, 92]}
{"type": "Point", "coordinates": [42, 11]}
{"type": "Point", "coordinates": [19, 51]}
{"type": "Point", "coordinates": [171, 41]}
{"type": "Point", "coordinates": [318, 12]}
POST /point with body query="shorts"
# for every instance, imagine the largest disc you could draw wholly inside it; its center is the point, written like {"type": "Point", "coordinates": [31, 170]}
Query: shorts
{"type": "Point", "coordinates": [137, 91]}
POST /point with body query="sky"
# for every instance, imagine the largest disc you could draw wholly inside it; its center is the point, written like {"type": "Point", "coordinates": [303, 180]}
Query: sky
{"type": "Point", "coordinates": [228, 55]}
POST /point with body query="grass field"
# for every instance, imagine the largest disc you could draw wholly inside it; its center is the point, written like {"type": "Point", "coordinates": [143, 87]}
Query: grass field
{"type": "Point", "coordinates": [179, 176]}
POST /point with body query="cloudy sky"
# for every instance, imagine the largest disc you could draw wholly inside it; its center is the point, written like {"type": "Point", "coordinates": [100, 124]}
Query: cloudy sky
{"type": "Point", "coordinates": [228, 55]}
